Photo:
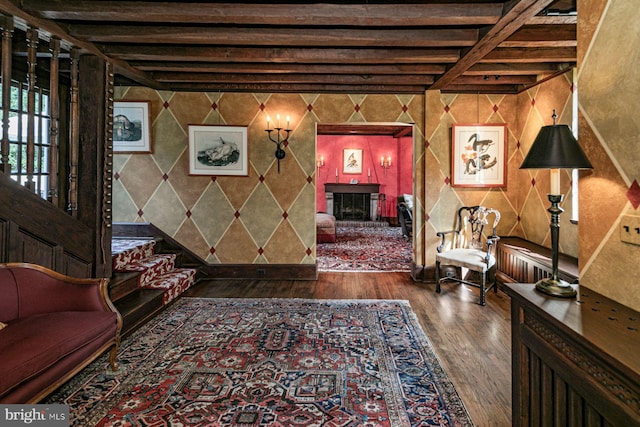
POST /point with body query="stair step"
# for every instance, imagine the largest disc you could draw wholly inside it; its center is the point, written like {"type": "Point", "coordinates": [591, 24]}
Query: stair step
{"type": "Point", "coordinates": [151, 267]}
{"type": "Point", "coordinates": [126, 251]}
{"type": "Point", "coordinates": [137, 307]}
{"type": "Point", "coordinates": [173, 283]}
{"type": "Point", "coordinates": [122, 284]}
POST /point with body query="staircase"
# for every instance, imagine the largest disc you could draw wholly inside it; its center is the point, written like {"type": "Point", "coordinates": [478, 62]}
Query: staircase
{"type": "Point", "coordinates": [147, 275]}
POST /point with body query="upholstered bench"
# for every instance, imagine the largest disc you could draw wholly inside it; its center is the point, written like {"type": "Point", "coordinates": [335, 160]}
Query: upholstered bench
{"type": "Point", "coordinates": [325, 228]}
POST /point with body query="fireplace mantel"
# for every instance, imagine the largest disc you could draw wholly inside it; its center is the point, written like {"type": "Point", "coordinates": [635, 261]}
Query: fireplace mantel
{"type": "Point", "coordinates": [345, 188]}
{"type": "Point", "coordinates": [336, 187]}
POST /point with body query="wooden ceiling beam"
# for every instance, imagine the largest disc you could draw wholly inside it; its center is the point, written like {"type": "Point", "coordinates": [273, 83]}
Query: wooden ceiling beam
{"type": "Point", "coordinates": [247, 36]}
{"type": "Point", "coordinates": [495, 79]}
{"type": "Point", "coordinates": [542, 36]}
{"type": "Point", "coordinates": [517, 13]}
{"type": "Point", "coordinates": [181, 53]}
{"type": "Point", "coordinates": [298, 88]}
{"type": "Point", "coordinates": [317, 14]}
{"type": "Point", "coordinates": [513, 69]}
{"type": "Point", "coordinates": [541, 54]}
{"type": "Point", "coordinates": [223, 67]}
{"type": "Point", "coordinates": [294, 79]}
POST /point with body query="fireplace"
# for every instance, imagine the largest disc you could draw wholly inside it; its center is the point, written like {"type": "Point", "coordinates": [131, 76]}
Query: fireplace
{"type": "Point", "coordinates": [352, 201]}
{"type": "Point", "coordinates": [352, 206]}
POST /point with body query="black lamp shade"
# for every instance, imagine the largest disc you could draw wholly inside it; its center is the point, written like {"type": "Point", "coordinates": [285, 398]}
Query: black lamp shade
{"type": "Point", "coordinates": [555, 148]}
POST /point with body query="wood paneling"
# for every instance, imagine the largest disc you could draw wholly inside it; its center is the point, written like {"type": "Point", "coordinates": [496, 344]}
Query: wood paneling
{"type": "Point", "coordinates": [575, 362]}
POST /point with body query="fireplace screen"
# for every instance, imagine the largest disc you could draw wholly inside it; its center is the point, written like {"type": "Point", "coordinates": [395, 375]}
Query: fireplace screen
{"type": "Point", "coordinates": [352, 206]}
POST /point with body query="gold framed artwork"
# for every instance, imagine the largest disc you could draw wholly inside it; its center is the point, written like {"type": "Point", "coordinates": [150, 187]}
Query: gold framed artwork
{"type": "Point", "coordinates": [218, 150]}
{"type": "Point", "coordinates": [131, 127]}
{"type": "Point", "coordinates": [352, 161]}
{"type": "Point", "coordinates": [479, 155]}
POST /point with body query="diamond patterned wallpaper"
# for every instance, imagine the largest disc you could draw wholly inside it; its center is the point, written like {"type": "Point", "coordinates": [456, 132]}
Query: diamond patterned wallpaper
{"type": "Point", "coordinates": [264, 218]}
{"type": "Point", "coordinates": [523, 203]}
{"type": "Point", "coordinates": [609, 130]}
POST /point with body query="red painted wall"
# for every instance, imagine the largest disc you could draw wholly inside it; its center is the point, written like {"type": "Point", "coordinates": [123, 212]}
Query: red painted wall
{"type": "Point", "coordinates": [396, 180]}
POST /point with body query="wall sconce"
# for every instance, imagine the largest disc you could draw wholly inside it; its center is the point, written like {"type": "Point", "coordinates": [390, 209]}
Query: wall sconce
{"type": "Point", "coordinates": [385, 163]}
{"type": "Point", "coordinates": [320, 162]}
{"type": "Point", "coordinates": [280, 139]}
{"type": "Point", "coordinates": [555, 148]}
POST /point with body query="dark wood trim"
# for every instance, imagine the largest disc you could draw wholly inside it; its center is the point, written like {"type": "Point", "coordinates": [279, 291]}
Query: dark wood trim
{"type": "Point", "coordinates": [588, 346]}
{"type": "Point", "coordinates": [261, 271]}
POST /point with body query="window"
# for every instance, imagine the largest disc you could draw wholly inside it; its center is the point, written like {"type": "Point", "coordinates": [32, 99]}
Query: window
{"type": "Point", "coordinates": [18, 124]}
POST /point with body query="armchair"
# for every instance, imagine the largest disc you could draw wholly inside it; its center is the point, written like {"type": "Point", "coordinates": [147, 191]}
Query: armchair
{"type": "Point", "coordinates": [405, 214]}
{"type": "Point", "coordinates": [466, 247]}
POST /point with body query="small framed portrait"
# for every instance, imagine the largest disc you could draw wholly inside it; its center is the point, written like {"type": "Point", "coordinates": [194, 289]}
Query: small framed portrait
{"type": "Point", "coordinates": [352, 161]}
{"type": "Point", "coordinates": [479, 155]}
{"type": "Point", "coordinates": [131, 127]}
{"type": "Point", "coordinates": [218, 150]}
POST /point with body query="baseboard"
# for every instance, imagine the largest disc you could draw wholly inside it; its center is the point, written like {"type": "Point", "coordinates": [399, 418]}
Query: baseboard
{"type": "Point", "coordinates": [261, 271]}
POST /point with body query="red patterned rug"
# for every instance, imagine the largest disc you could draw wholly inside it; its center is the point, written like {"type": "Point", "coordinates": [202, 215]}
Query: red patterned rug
{"type": "Point", "coordinates": [270, 362]}
{"type": "Point", "coordinates": [365, 249]}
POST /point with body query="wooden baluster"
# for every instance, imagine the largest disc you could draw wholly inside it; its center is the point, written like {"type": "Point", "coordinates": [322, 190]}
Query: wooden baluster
{"type": "Point", "coordinates": [7, 51]}
{"type": "Point", "coordinates": [74, 135]}
{"type": "Point", "coordinates": [54, 114]}
{"type": "Point", "coordinates": [32, 46]}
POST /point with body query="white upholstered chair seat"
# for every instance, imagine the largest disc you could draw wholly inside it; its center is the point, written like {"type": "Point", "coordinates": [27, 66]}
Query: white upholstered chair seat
{"type": "Point", "coordinates": [472, 259]}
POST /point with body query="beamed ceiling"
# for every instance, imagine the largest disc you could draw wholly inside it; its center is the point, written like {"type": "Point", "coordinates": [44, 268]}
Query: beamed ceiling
{"type": "Point", "coordinates": [475, 46]}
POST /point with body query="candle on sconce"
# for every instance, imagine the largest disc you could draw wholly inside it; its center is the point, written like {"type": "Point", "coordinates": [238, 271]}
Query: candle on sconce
{"type": "Point", "coordinates": [555, 181]}
{"type": "Point", "coordinates": [278, 121]}
{"type": "Point", "coordinates": [382, 161]}
{"type": "Point", "coordinates": [288, 120]}
{"type": "Point", "coordinates": [268, 123]}
{"type": "Point", "coordinates": [369, 172]}
{"type": "Point", "coordinates": [336, 172]}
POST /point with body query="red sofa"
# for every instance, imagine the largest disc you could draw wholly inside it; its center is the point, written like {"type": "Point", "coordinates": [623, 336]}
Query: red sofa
{"type": "Point", "coordinates": [54, 326]}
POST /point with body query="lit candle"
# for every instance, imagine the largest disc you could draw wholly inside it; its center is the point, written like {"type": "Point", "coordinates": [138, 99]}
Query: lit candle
{"type": "Point", "coordinates": [278, 121]}
{"type": "Point", "coordinates": [382, 161]}
{"type": "Point", "coordinates": [336, 172]}
{"type": "Point", "coordinates": [389, 160]}
{"type": "Point", "coordinates": [369, 172]}
{"type": "Point", "coordinates": [268, 123]}
{"type": "Point", "coordinates": [555, 181]}
{"type": "Point", "coordinates": [287, 122]}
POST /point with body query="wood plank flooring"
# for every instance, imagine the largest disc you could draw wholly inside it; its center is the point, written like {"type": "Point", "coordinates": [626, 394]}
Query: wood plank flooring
{"type": "Point", "coordinates": [472, 342]}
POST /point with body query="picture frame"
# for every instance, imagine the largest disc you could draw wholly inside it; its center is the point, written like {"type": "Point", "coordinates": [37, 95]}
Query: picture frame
{"type": "Point", "coordinates": [352, 161]}
{"type": "Point", "coordinates": [131, 127]}
{"type": "Point", "coordinates": [218, 150]}
{"type": "Point", "coordinates": [479, 155]}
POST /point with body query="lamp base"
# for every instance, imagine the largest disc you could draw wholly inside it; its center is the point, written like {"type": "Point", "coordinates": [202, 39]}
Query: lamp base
{"type": "Point", "coordinates": [556, 288]}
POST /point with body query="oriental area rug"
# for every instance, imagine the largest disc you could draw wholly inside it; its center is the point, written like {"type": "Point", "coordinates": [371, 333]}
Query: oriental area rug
{"type": "Point", "coordinates": [365, 249]}
{"type": "Point", "coordinates": [270, 362]}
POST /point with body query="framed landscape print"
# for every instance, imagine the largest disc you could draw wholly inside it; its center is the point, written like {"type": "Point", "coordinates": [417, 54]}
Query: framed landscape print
{"type": "Point", "coordinates": [479, 155]}
{"type": "Point", "coordinates": [218, 150]}
{"type": "Point", "coordinates": [352, 161]}
{"type": "Point", "coordinates": [131, 127]}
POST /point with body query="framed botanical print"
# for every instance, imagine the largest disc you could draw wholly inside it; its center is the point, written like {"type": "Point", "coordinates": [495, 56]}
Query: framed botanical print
{"type": "Point", "coordinates": [218, 150]}
{"type": "Point", "coordinates": [352, 161]}
{"type": "Point", "coordinates": [131, 127]}
{"type": "Point", "coordinates": [479, 155]}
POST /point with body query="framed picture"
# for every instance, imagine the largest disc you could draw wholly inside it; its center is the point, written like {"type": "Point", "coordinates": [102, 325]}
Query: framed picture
{"type": "Point", "coordinates": [479, 155]}
{"type": "Point", "coordinates": [218, 150]}
{"type": "Point", "coordinates": [131, 127]}
{"type": "Point", "coordinates": [352, 161]}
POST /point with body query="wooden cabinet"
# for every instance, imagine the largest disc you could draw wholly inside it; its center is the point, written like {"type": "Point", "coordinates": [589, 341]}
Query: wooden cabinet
{"type": "Point", "coordinates": [576, 362]}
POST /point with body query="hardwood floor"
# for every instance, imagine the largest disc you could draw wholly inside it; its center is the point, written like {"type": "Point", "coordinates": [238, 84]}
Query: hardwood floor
{"type": "Point", "coordinates": [472, 342]}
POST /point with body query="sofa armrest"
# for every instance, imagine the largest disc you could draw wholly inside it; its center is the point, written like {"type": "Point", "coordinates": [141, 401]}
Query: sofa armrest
{"type": "Point", "coordinates": [41, 290]}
